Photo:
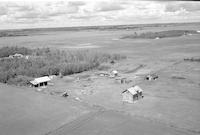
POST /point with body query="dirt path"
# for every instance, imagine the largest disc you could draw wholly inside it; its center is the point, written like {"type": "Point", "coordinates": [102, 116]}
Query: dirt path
{"type": "Point", "coordinates": [77, 123]}
{"type": "Point", "coordinates": [112, 122]}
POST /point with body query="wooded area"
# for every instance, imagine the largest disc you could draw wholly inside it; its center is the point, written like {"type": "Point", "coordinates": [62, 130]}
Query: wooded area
{"type": "Point", "coordinates": [46, 61]}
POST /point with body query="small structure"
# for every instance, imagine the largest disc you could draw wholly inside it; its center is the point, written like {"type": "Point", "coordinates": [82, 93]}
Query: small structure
{"type": "Point", "coordinates": [112, 62]}
{"type": "Point", "coordinates": [132, 94]}
{"type": "Point", "coordinates": [122, 80]}
{"type": "Point", "coordinates": [41, 81]}
{"type": "Point", "coordinates": [104, 74]}
{"type": "Point", "coordinates": [151, 77]}
{"type": "Point", "coordinates": [65, 94]}
{"type": "Point", "coordinates": [114, 73]}
{"type": "Point", "coordinates": [16, 55]}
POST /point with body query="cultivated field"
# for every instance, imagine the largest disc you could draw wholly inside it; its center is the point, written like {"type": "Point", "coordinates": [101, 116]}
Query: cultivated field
{"type": "Point", "coordinates": [171, 104]}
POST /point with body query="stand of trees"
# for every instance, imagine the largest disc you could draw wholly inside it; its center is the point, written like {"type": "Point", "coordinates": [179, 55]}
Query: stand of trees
{"type": "Point", "coordinates": [161, 34]}
{"type": "Point", "coordinates": [46, 61]}
{"type": "Point", "coordinates": [6, 51]}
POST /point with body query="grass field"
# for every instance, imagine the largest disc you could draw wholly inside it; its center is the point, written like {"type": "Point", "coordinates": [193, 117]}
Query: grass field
{"type": "Point", "coordinates": [171, 104]}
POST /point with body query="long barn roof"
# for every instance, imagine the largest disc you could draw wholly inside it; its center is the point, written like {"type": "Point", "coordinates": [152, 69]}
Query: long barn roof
{"type": "Point", "coordinates": [40, 80]}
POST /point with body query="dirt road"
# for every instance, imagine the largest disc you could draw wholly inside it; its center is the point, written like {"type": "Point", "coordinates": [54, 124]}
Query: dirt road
{"type": "Point", "coordinates": [114, 123]}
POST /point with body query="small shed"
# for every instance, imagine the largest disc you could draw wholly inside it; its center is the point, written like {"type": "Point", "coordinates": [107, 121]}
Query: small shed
{"type": "Point", "coordinates": [41, 81]}
{"type": "Point", "coordinates": [121, 80]}
{"type": "Point", "coordinates": [132, 94]}
{"type": "Point", "coordinates": [114, 73]}
{"type": "Point", "coordinates": [151, 77]}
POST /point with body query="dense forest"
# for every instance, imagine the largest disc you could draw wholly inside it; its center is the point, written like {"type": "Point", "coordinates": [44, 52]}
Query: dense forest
{"type": "Point", "coordinates": [46, 61]}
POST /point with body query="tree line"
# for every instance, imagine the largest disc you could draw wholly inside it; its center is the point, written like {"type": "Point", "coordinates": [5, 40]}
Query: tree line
{"type": "Point", "coordinates": [46, 61]}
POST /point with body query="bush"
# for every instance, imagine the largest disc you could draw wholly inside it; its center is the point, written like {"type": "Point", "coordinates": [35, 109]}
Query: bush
{"type": "Point", "coordinates": [20, 80]}
{"type": "Point", "coordinates": [104, 66]}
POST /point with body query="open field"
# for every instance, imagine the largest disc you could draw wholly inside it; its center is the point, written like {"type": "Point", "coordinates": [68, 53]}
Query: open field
{"type": "Point", "coordinates": [25, 112]}
{"type": "Point", "coordinates": [171, 104]}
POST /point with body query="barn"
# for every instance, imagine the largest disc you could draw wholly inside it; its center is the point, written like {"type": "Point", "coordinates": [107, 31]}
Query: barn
{"type": "Point", "coordinates": [132, 94]}
{"type": "Point", "coordinates": [41, 81]}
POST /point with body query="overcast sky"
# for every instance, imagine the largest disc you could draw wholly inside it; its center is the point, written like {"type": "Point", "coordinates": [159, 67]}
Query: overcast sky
{"type": "Point", "coordinates": [66, 13]}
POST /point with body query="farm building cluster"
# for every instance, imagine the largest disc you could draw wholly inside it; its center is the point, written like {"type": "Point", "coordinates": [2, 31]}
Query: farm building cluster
{"type": "Point", "coordinates": [129, 95]}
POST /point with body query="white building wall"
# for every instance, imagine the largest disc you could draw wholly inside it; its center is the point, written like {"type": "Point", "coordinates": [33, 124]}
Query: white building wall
{"type": "Point", "coordinates": [127, 97]}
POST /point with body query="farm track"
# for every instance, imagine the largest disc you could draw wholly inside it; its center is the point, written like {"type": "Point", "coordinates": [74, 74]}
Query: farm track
{"type": "Point", "coordinates": [77, 123]}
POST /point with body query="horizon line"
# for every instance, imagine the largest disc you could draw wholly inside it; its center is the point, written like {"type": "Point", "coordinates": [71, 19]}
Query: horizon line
{"type": "Point", "coordinates": [82, 26]}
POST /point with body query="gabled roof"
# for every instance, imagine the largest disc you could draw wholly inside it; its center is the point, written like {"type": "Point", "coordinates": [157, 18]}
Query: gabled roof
{"type": "Point", "coordinates": [40, 80]}
{"type": "Point", "coordinates": [137, 88]}
{"type": "Point", "coordinates": [133, 90]}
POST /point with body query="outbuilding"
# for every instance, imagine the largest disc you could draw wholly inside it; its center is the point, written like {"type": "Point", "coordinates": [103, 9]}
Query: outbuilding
{"type": "Point", "coordinates": [151, 77]}
{"type": "Point", "coordinates": [132, 94]}
{"type": "Point", "coordinates": [16, 55]}
{"type": "Point", "coordinates": [41, 81]}
{"type": "Point", "coordinates": [114, 73]}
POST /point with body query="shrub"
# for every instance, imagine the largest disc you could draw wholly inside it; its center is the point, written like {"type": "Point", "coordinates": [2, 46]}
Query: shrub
{"type": "Point", "coordinates": [20, 80]}
{"type": "Point", "coordinates": [104, 66]}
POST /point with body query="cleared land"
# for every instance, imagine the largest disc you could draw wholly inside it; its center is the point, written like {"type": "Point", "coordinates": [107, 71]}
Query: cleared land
{"type": "Point", "coordinates": [26, 112]}
{"type": "Point", "coordinates": [171, 104]}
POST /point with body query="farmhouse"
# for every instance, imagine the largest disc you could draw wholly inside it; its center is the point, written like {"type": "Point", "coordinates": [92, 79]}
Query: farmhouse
{"type": "Point", "coordinates": [41, 81]}
{"type": "Point", "coordinates": [132, 94]}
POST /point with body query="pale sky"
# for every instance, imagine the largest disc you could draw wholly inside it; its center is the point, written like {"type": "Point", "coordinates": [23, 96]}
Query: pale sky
{"type": "Point", "coordinates": [66, 13]}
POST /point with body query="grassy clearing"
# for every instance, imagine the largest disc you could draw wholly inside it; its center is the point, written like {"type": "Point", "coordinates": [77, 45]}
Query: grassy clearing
{"type": "Point", "coordinates": [46, 61]}
{"type": "Point", "coordinates": [161, 34]}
